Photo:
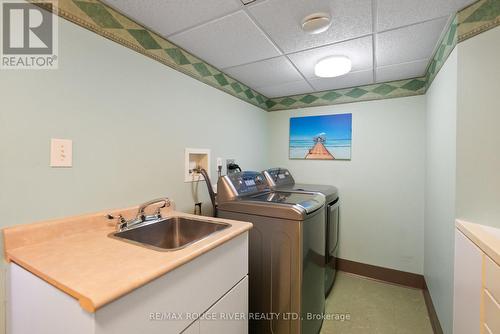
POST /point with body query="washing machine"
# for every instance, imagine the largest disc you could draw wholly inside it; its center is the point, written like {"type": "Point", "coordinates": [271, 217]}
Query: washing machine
{"type": "Point", "coordinates": [282, 180]}
{"type": "Point", "coordinates": [286, 252]}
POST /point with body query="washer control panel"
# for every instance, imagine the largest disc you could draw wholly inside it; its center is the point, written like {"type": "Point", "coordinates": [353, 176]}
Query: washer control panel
{"type": "Point", "coordinates": [247, 183]}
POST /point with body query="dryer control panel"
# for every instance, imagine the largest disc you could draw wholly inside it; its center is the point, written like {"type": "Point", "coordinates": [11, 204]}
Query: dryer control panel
{"type": "Point", "coordinates": [276, 177]}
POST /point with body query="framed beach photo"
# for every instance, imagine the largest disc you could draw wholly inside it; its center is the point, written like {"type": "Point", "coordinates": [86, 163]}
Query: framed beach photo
{"type": "Point", "coordinates": [326, 137]}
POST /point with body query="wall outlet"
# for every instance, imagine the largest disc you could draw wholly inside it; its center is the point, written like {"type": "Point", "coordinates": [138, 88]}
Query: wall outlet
{"type": "Point", "coordinates": [61, 152]}
{"type": "Point", "coordinates": [230, 162]}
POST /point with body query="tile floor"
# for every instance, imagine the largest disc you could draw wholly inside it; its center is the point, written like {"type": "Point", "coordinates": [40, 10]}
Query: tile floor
{"type": "Point", "coordinates": [375, 308]}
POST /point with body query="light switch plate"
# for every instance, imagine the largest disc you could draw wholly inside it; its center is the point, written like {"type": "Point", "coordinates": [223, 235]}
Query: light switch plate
{"type": "Point", "coordinates": [61, 152]}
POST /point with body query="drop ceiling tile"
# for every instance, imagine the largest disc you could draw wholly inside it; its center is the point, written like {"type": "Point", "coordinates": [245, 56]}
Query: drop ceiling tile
{"type": "Point", "coordinates": [402, 71]}
{"type": "Point", "coordinates": [408, 44]}
{"type": "Point", "coordinates": [352, 79]}
{"type": "Point", "coordinates": [359, 50]}
{"type": "Point", "coordinates": [397, 13]}
{"type": "Point", "coordinates": [269, 72]}
{"type": "Point", "coordinates": [287, 89]}
{"type": "Point", "coordinates": [169, 16]}
{"type": "Point", "coordinates": [281, 19]}
{"type": "Point", "coordinates": [229, 41]}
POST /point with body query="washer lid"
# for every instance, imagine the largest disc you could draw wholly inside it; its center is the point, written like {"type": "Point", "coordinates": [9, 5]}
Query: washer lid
{"type": "Point", "coordinates": [308, 202]}
{"type": "Point", "coordinates": [330, 192]}
{"type": "Point", "coordinates": [320, 188]}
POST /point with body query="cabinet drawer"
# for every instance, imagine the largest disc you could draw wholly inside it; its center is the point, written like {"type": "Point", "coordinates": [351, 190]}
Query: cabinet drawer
{"type": "Point", "coordinates": [492, 278]}
{"type": "Point", "coordinates": [190, 289]}
{"type": "Point", "coordinates": [193, 329]}
{"type": "Point", "coordinates": [468, 284]}
{"type": "Point", "coordinates": [228, 315]}
{"type": "Point", "coordinates": [491, 313]}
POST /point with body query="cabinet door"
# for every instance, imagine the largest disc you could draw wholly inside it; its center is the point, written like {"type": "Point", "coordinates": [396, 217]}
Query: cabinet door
{"type": "Point", "coordinates": [229, 314]}
{"type": "Point", "coordinates": [194, 328]}
{"type": "Point", "coordinates": [467, 286]}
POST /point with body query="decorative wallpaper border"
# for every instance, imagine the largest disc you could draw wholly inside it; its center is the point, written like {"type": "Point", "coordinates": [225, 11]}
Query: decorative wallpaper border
{"type": "Point", "coordinates": [378, 91]}
{"type": "Point", "coordinates": [477, 18]}
{"type": "Point", "coordinates": [446, 46]}
{"type": "Point", "coordinates": [109, 23]}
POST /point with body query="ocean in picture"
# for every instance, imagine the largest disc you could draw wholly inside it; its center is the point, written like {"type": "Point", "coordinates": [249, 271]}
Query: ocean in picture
{"type": "Point", "coordinates": [325, 137]}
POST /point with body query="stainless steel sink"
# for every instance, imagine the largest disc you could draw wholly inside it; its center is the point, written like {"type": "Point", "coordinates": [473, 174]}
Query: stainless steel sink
{"type": "Point", "coordinates": [170, 234]}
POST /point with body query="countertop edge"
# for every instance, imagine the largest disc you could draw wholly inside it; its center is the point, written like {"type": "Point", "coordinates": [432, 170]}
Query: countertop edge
{"type": "Point", "coordinates": [84, 302]}
{"type": "Point", "coordinates": [194, 255]}
{"type": "Point", "coordinates": [92, 303]}
{"type": "Point", "coordinates": [481, 238]}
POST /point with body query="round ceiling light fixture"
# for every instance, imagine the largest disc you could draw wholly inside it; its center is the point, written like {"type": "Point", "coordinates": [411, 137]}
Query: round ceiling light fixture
{"type": "Point", "coordinates": [316, 23]}
{"type": "Point", "coordinates": [333, 66]}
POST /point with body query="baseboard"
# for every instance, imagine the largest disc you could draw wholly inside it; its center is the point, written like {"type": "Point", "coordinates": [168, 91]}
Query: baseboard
{"type": "Point", "coordinates": [395, 277]}
{"type": "Point", "coordinates": [436, 325]}
{"type": "Point", "coordinates": [384, 274]}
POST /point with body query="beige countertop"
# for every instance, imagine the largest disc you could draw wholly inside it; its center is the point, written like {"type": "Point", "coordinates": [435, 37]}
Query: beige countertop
{"type": "Point", "coordinates": [487, 238]}
{"type": "Point", "coordinates": [77, 256]}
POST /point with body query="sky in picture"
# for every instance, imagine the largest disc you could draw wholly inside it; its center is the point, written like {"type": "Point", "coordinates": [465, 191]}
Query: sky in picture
{"type": "Point", "coordinates": [336, 129]}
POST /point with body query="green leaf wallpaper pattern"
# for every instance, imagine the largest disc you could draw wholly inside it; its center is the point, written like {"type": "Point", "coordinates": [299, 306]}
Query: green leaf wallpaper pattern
{"type": "Point", "coordinates": [145, 39]}
{"type": "Point", "coordinates": [102, 19]}
{"type": "Point", "coordinates": [99, 14]}
{"type": "Point", "coordinates": [180, 59]}
{"type": "Point", "coordinates": [488, 11]}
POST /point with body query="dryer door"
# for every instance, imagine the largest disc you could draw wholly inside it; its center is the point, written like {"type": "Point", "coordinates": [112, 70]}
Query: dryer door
{"type": "Point", "coordinates": [332, 241]}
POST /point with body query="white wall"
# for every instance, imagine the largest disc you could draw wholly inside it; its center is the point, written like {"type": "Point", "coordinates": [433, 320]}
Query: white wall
{"type": "Point", "coordinates": [381, 188]}
{"type": "Point", "coordinates": [440, 186]}
{"type": "Point", "coordinates": [478, 142]}
{"type": "Point", "coordinates": [130, 119]}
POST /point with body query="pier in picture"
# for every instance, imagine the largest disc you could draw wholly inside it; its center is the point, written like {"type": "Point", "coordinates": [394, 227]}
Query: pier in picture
{"type": "Point", "coordinates": [326, 137]}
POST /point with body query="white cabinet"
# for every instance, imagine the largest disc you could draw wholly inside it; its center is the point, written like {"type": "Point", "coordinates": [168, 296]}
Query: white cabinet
{"type": "Point", "coordinates": [228, 315]}
{"type": "Point", "coordinates": [215, 281]}
{"type": "Point", "coordinates": [491, 297]}
{"type": "Point", "coordinates": [476, 289]}
{"type": "Point", "coordinates": [194, 328]}
{"type": "Point", "coordinates": [467, 286]}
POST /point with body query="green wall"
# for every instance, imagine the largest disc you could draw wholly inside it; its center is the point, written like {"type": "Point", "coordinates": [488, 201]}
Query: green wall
{"type": "Point", "coordinates": [381, 188]}
{"type": "Point", "coordinates": [478, 140]}
{"type": "Point", "coordinates": [440, 188]}
{"type": "Point", "coordinates": [463, 164]}
{"type": "Point", "coordinates": [130, 119]}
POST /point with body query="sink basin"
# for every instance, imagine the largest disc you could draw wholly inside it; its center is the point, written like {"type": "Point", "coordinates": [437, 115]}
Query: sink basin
{"type": "Point", "coordinates": [170, 234]}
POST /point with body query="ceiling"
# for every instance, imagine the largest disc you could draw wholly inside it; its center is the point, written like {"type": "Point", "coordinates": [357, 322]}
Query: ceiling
{"type": "Point", "coordinates": [262, 45]}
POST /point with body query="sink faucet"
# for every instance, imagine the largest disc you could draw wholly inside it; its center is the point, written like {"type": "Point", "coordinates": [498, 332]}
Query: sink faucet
{"type": "Point", "coordinates": [123, 224]}
{"type": "Point", "coordinates": [140, 213]}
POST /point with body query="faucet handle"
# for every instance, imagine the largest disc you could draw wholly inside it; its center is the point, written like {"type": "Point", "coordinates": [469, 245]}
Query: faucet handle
{"type": "Point", "coordinates": [158, 211]}
{"type": "Point", "coordinates": [142, 208]}
{"type": "Point", "coordinates": [121, 222]}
